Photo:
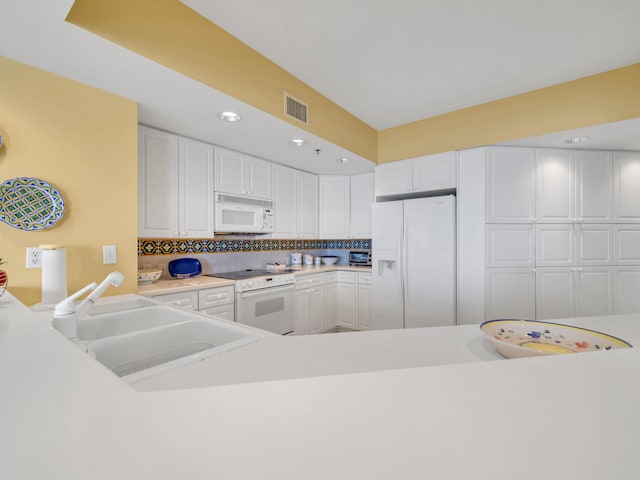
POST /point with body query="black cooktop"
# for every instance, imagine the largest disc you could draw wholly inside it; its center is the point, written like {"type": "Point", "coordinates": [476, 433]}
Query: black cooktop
{"type": "Point", "coordinates": [250, 273]}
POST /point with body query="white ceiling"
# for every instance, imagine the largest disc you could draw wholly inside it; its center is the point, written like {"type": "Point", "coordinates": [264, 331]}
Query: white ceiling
{"type": "Point", "coordinates": [386, 62]}
{"type": "Point", "coordinates": [391, 62]}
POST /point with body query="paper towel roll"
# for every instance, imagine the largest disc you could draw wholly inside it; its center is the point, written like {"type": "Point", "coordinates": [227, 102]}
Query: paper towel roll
{"type": "Point", "coordinates": [54, 274]}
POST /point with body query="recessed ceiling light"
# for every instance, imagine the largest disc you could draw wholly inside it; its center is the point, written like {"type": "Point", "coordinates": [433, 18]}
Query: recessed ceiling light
{"type": "Point", "coordinates": [229, 117]}
{"type": "Point", "coordinates": [343, 160]}
{"type": "Point", "coordinates": [573, 140]}
{"type": "Point", "coordinates": [298, 142]}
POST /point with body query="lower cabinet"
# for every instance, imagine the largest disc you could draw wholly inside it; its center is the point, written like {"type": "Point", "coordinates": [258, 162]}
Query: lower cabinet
{"type": "Point", "coordinates": [364, 301]}
{"type": "Point", "coordinates": [309, 309]}
{"type": "Point", "coordinates": [217, 302]}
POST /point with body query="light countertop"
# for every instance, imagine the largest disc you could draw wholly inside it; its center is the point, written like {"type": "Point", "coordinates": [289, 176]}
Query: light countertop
{"type": "Point", "coordinates": [63, 416]}
{"type": "Point", "coordinates": [164, 286]}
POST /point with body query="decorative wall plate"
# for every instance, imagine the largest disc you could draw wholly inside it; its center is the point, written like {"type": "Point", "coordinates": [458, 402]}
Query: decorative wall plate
{"type": "Point", "coordinates": [30, 204]}
{"type": "Point", "coordinates": [526, 338]}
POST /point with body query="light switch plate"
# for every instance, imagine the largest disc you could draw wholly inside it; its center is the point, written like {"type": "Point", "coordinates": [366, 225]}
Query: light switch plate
{"type": "Point", "coordinates": [109, 256]}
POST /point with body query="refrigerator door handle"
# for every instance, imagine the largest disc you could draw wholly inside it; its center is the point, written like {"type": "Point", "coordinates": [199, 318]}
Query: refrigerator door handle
{"type": "Point", "coordinates": [403, 266]}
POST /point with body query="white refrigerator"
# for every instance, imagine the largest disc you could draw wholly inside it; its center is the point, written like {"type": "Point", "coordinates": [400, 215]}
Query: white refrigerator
{"type": "Point", "coordinates": [414, 263]}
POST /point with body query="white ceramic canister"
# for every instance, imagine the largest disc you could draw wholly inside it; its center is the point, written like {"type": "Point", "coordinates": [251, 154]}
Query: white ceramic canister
{"type": "Point", "coordinates": [296, 259]}
{"type": "Point", "coordinates": [317, 261]}
{"type": "Point", "coordinates": [307, 259]}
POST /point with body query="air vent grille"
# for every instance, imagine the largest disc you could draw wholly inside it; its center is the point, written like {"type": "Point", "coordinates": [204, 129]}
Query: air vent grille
{"type": "Point", "coordinates": [295, 108]}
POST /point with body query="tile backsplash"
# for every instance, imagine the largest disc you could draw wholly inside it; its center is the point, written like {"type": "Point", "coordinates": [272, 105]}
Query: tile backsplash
{"type": "Point", "coordinates": [221, 255]}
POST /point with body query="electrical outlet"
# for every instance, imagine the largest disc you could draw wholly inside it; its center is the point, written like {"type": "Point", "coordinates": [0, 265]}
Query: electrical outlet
{"type": "Point", "coordinates": [109, 256]}
{"type": "Point", "coordinates": [34, 257]}
{"type": "Point", "coordinates": [162, 266]}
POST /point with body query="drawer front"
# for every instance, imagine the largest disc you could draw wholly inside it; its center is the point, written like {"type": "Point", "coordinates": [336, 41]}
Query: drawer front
{"type": "Point", "coordinates": [331, 277]}
{"type": "Point", "coordinates": [308, 281]}
{"type": "Point", "coordinates": [364, 278]}
{"type": "Point", "coordinates": [225, 312]}
{"type": "Point", "coordinates": [215, 296]}
{"type": "Point", "coordinates": [347, 277]}
{"type": "Point", "coordinates": [187, 300]}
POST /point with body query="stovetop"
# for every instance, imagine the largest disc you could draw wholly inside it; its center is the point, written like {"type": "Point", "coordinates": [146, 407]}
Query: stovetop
{"type": "Point", "coordinates": [249, 273]}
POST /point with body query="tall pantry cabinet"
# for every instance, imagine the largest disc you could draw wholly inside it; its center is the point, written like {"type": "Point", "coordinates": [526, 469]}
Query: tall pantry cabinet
{"type": "Point", "coordinates": [549, 234]}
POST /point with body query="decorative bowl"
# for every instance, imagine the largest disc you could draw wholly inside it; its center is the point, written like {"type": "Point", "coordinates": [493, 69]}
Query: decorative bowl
{"type": "Point", "coordinates": [528, 338]}
{"type": "Point", "coordinates": [148, 276]}
{"type": "Point", "coordinates": [329, 259]}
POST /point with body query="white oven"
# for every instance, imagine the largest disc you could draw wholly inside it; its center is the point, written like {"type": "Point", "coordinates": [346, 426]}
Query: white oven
{"type": "Point", "coordinates": [270, 309]}
{"type": "Point", "coordinates": [236, 214]}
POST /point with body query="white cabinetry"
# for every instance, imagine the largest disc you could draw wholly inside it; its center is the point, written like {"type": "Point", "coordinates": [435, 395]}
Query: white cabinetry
{"type": "Point", "coordinates": [364, 301]}
{"type": "Point", "coordinates": [175, 186]}
{"type": "Point", "coordinates": [335, 199]}
{"type": "Point", "coordinates": [422, 174]}
{"type": "Point", "coordinates": [510, 245]}
{"type": "Point", "coordinates": [362, 197]}
{"type": "Point", "coordinates": [217, 301]}
{"type": "Point", "coordinates": [295, 198]}
{"type": "Point", "coordinates": [510, 293]}
{"type": "Point", "coordinates": [347, 312]}
{"type": "Point", "coordinates": [309, 309]}
{"type": "Point", "coordinates": [626, 203]}
{"type": "Point", "coordinates": [626, 287]}
{"type": "Point", "coordinates": [242, 174]}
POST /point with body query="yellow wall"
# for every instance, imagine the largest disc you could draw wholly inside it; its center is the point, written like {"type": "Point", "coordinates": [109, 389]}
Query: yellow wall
{"type": "Point", "coordinates": [173, 35]}
{"type": "Point", "coordinates": [84, 142]}
{"type": "Point", "coordinates": [603, 98]}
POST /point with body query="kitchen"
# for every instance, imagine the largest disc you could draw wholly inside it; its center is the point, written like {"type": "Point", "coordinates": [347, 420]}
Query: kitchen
{"type": "Point", "coordinates": [326, 422]}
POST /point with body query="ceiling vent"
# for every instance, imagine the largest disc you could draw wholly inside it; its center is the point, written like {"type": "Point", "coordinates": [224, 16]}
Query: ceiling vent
{"type": "Point", "coordinates": [295, 108]}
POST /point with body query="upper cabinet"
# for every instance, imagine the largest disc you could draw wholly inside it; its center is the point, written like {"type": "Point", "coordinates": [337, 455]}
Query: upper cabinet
{"type": "Point", "coordinates": [626, 202]}
{"type": "Point", "coordinates": [573, 186]}
{"type": "Point", "coordinates": [175, 186]}
{"type": "Point", "coordinates": [362, 198]}
{"type": "Point", "coordinates": [242, 174]}
{"type": "Point", "coordinates": [511, 183]}
{"type": "Point", "coordinates": [295, 197]}
{"type": "Point", "coordinates": [335, 199]}
{"type": "Point", "coordinates": [422, 174]}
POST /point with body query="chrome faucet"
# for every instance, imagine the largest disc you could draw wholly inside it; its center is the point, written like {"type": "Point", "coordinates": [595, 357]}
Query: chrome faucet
{"type": "Point", "coordinates": [67, 314]}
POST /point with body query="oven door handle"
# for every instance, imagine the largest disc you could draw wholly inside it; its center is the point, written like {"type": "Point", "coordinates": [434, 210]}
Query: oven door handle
{"type": "Point", "coordinates": [266, 290]}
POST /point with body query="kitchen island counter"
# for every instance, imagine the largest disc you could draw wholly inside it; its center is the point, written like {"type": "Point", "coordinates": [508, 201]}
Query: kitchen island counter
{"type": "Point", "coordinates": [570, 416]}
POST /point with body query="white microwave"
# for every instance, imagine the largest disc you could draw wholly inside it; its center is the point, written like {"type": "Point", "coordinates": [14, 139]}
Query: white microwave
{"type": "Point", "coordinates": [237, 214]}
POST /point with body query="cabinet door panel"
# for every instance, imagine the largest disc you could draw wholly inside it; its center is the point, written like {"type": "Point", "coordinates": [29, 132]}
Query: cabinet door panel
{"type": "Point", "coordinates": [364, 307]}
{"type": "Point", "coordinates": [434, 172]}
{"type": "Point", "coordinates": [307, 212]}
{"type": "Point", "coordinates": [346, 295]}
{"type": "Point", "coordinates": [555, 183]}
{"type": "Point", "coordinates": [594, 291]}
{"type": "Point", "coordinates": [316, 314]}
{"type": "Point", "coordinates": [362, 197]}
{"type": "Point", "coordinates": [510, 185]}
{"type": "Point", "coordinates": [626, 167]}
{"type": "Point", "coordinates": [510, 245]}
{"type": "Point", "coordinates": [554, 245]}
{"type": "Point", "coordinates": [555, 293]}
{"type": "Point", "coordinates": [158, 194]}
{"type": "Point", "coordinates": [594, 244]}
{"type": "Point", "coordinates": [334, 206]}
{"type": "Point", "coordinates": [225, 312]}
{"type": "Point", "coordinates": [594, 186]}
{"type": "Point", "coordinates": [284, 201]}
{"type": "Point", "coordinates": [330, 305]}
{"type": "Point", "coordinates": [301, 324]}
{"type": "Point", "coordinates": [627, 244]}
{"type": "Point", "coordinates": [258, 181]}
{"type": "Point", "coordinates": [393, 178]}
{"type": "Point", "coordinates": [510, 293]}
{"type": "Point", "coordinates": [626, 288]}
{"type": "Point", "coordinates": [196, 189]}
{"type": "Point", "coordinates": [229, 167]}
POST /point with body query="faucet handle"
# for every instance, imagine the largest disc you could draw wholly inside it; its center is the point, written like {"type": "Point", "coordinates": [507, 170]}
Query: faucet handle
{"type": "Point", "coordinates": [68, 306]}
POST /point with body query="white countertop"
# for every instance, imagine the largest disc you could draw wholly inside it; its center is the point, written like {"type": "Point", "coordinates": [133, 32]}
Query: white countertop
{"type": "Point", "coordinates": [63, 416]}
{"type": "Point", "coordinates": [200, 282]}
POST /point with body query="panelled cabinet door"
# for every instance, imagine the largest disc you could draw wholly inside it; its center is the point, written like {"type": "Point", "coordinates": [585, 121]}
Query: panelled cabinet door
{"type": "Point", "coordinates": [347, 312]}
{"type": "Point", "coordinates": [555, 293]}
{"type": "Point", "coordinates": [301, 323]}
{"type": "Point", "coordinates": [334, 206]}
{"type": "Point", "coordinates": [626, 287]}
{"type": "Point", "coordinates": [554, 186]}
{"type": "Point", "coordinates": [364, 307]}
{"type": "Point", "coordinates": [510, 245]}
{"type": "Point", "coordinates": [196, 189]}
{"type": "Point", "coordinates": [594, 291]}
{"type": "Point", "coordinates": [307, 211]}
{"type": "Point", "coordinates": [330, 305]}
{"type": "Point", "coordinates": [258, 178]}
{"type": "Point", "coordinates": [434, 172]}
{"type": "Point", "coordinates": [229, 176]}
{"type": "Point", "coordinates": [510, 293]}
{"type": "Point", "coordinates": [158, 193]}
{"type": "Point", "coordinates": [316, 314]}
{"type": "Point", "coordinates": [362, 198]}
{"type": "Point", "coordinates": [594, 186]}
{"type": "Point", "coordinates": [284, 201]}
{"type": "Point", "coordinates": [393, 178]}
{"type": "Point", "coordinates": [627, 244]}
{"type": "Point", "coordinates": [555, 245]}
{"type": "Point", "coordinates": [594, 244]}
{"type": "Point", "coordinates": [626, 203]}
{"type": "Point", "coordinates": [511, 181]}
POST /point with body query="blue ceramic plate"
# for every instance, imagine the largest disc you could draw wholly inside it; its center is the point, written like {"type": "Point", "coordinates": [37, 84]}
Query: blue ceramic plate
{"type": "Point", "coordinates": [185, 267]}
{"type": "Point", "coordinates": [30, 204]}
